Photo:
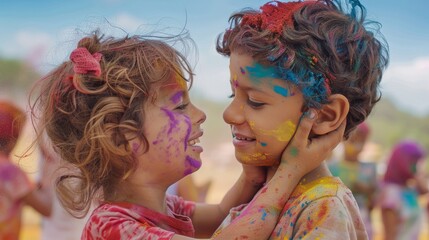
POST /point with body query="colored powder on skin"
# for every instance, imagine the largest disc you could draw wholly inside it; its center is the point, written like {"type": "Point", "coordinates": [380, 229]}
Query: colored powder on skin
{"type": "Point", "coordinates": [258, 71]}
{"type": "Point", "coordinates": [281, 90]}
{"type": "Point", "coordinates": [264, 214]}
{"type": "Point", "coordinates": [195, 164]}
{"type": "Point", "coordinates": [294, 151]}
{"type": "Point", "coordinates": [176, 97]}
{"type": "Point", "coordinates": [180, 81]}
{"type": "Point", "coordinates": [173, 121]}
{"type": "Point", "coordinates": [242, 71]}
{"type": "Point", "coordinates": [255, 157]}
{"type": "Point", "coordinates": [188, 131]}
{"type": "Point", "coordinates": [263, 144]}
{"type": "Point", "coordinates": [235, 84]}
{"type": "Point", "coordinates": [283, 133]}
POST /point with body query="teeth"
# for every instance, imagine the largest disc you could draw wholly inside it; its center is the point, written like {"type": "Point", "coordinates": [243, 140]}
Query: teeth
{"type": "Point", "coordinates": [193, 142]}
{"type": "Point", "coordinates": [244, 139]}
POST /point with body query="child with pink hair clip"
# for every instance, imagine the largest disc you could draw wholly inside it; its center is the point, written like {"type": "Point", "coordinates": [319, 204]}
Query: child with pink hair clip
{"type": "Point", "coordinates": [119, 112]}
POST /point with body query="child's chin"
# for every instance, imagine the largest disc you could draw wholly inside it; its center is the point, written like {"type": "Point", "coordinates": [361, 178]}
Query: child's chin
{"type": "Point", "coordinates": [258, 162]}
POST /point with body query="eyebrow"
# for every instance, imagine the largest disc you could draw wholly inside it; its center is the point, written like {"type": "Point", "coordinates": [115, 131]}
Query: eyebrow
{"type": "Point", "coordinates": [246, 88]}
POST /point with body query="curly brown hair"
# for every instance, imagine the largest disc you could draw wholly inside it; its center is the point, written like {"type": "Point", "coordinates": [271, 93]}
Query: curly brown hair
{"type": "Point", "coordinates": [321, 40]}
{"type": "Point", "coordinates": [90, 119]}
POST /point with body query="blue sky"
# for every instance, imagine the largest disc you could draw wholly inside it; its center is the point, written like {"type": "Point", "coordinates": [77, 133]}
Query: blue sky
{"type": "Point", "coordinates": [43, 33]}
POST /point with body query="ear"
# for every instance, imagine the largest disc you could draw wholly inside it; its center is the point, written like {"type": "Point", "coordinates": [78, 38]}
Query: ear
{"type": "Point", "coordinates": [331, 115]}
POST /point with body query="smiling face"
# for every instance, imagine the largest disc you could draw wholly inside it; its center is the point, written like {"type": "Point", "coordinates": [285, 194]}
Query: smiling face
{"type": "Point", "coordinates": [264, 112]}
{"type": "Point", "coordinates": [172, 128]}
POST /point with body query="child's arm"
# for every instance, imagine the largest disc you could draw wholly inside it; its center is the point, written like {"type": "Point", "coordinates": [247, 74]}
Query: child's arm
{"type": "Point", "coordinates": [258, 219]}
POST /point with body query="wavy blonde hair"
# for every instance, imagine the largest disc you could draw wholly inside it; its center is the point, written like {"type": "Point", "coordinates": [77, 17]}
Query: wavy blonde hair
{"type": "Point", "coordinates": [89, 119]}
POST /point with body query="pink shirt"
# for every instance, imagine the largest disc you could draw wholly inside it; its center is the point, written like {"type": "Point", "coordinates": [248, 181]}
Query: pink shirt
{"type": "Point", "coordinates": [322, 209]}
{"type": "Point", "coordinates": [120, 221]}
{"type": "Point", "coordinates": [14, 185]}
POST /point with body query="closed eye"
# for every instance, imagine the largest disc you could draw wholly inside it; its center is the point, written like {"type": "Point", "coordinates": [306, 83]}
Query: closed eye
{"type": "Point", "coordinates": [254, 104]}
{"type": "Point", "coordinates": [182, 106]}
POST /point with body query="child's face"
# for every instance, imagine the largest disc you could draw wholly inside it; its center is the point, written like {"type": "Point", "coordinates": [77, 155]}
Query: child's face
{"type": "Point", "coordinates": [172, 128]}
{"type": "Point", "coordinates": [264, 112]}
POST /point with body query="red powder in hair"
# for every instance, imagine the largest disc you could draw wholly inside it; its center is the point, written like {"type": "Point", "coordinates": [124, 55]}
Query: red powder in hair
{"type": "Point", "coordinates": [274, 16]}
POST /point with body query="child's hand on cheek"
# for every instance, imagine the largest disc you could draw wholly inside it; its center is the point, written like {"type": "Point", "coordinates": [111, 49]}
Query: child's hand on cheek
{"type": "Point", "coordinates": [304, 153]}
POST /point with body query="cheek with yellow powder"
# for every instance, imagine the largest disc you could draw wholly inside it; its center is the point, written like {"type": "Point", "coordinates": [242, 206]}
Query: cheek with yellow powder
{"type": "Point", "coordinates": [282, 132]}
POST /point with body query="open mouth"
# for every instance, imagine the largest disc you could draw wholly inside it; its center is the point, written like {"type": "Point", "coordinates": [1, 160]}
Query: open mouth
{"type": "Point", "coordinates": [193, 142]}
{"type": "Point", "coordinates": [240, 137]}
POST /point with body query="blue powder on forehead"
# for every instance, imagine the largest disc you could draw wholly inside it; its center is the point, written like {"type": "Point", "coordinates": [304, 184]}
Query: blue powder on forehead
{"type": "Point", "coordinates": [258, 71]}
{"type": "Point", "coordinates": [281, 90]}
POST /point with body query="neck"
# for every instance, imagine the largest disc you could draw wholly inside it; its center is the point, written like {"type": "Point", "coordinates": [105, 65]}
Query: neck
{"type": "Point", "coordinates": [321, 171]}
{"type": "Point", "coordinates": [144, 195]}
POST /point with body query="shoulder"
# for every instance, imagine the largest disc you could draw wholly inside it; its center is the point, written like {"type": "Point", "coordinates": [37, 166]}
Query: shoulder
{"type": "Point", "coordinates": [122, 221]}
{"type": "Point", "coordinates": [180, 206]}
{"type": "Point", "coordinates": [332, 216]}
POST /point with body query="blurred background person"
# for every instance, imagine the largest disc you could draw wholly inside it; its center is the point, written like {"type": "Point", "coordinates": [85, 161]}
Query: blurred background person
{"type": "Point", "coordinates": [360, 176]}
{"type": "Point", "coordinates": [400, 209]}
{"type": "Point", "coordinates": [16, 189]}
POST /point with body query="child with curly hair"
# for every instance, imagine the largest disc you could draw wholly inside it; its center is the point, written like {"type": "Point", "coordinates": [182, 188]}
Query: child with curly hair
{"type": "Point", "coordinates": [286, 58]}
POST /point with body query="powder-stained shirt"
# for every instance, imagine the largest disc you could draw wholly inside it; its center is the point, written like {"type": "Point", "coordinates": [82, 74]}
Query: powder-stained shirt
{"type": "Point", "coordinates": [322, 209]}
{"type": "Point", "coordinates": [404, 201]}
{"type": "Point", "coordinates": [14, 185]}
{"type": "Point", "coordinates": [120, 221]}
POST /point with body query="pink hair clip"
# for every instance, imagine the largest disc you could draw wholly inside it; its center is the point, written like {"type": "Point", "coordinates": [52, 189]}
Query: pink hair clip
{"type": "Point", "coordinates": [84, 62]}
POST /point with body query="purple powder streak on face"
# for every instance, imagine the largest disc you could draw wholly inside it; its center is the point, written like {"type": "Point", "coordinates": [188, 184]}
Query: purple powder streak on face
{"type": "Point", "coordinates": [173, 120]}
{"type": "Point", "coordinates": [195, 164]}
{"type": "Point", "coordinates": [188, 131]}
{"type": "Point", "coordinates": [176, 97]}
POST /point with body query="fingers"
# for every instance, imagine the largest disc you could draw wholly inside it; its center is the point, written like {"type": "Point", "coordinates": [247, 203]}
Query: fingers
{"type": "Point", "coordinates": [303, 131]}
{"type": "Point", "coordinates": [333, 138]}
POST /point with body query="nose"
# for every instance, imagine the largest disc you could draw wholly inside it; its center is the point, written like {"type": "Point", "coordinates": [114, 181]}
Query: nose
{"type": "Point", "coordinates": [233, 113]}
{"type": "Point", "coordinates": [199, 115]}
